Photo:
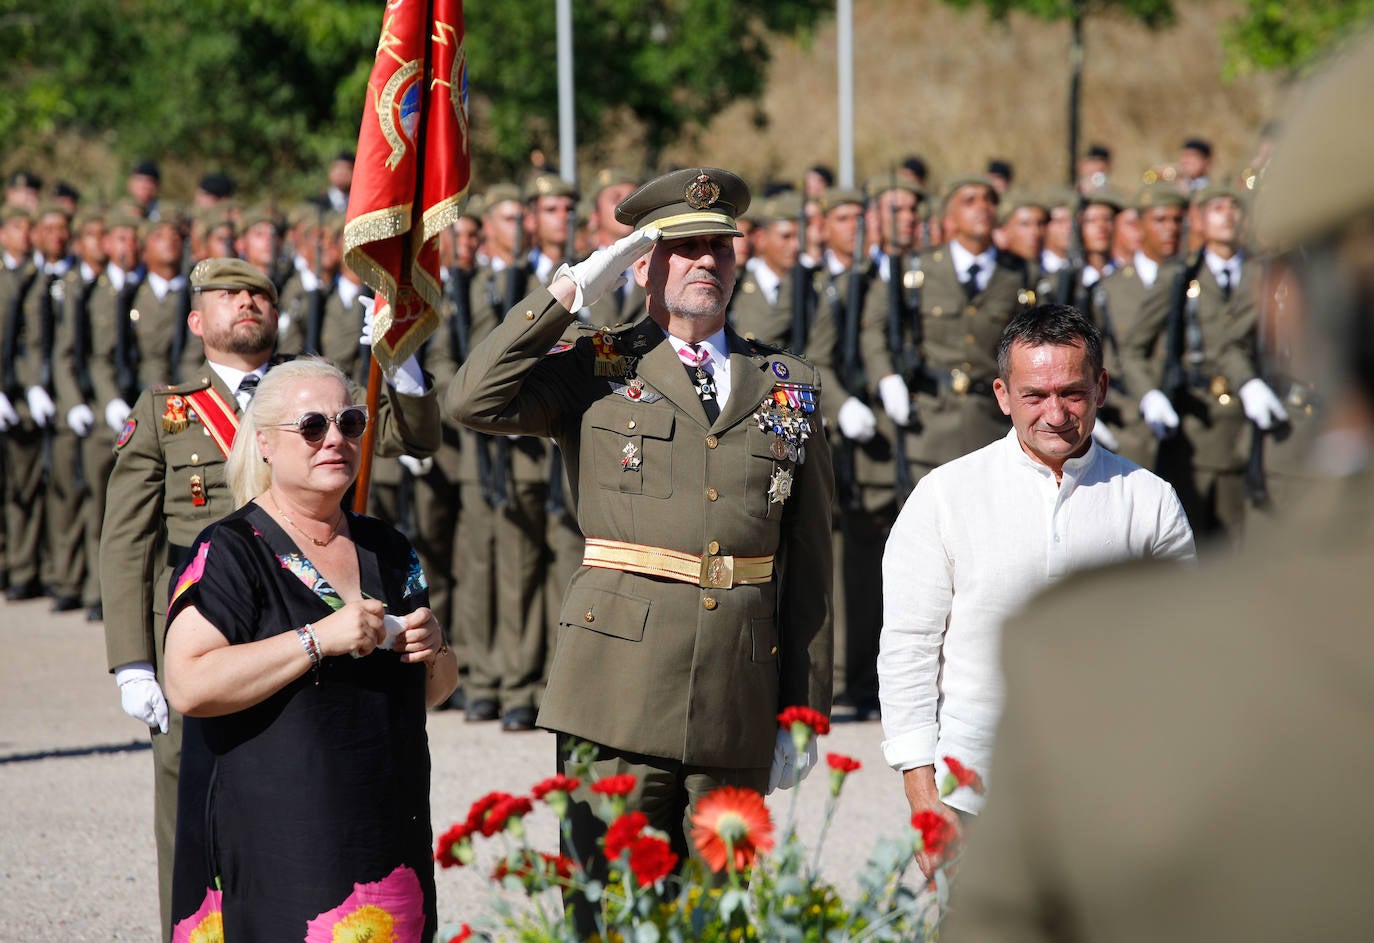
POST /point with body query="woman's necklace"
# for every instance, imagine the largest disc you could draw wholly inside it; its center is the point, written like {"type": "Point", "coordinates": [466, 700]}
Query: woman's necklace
{"type": "Point", "coordinates": [333, 531]}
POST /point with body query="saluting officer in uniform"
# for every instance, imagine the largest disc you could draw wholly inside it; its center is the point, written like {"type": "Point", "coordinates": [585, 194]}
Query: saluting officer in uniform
{"type": "Point", "coordinates": [168, 484]}
{"type": "Point", "coordinates": [1202, 422]}
{"type": "Point", "coordinates": [703, 484]}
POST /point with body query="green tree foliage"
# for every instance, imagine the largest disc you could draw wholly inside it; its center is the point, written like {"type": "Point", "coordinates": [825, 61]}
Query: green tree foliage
{"type": "Point", "coordinates": [1289, 34]}
{"type": "Point", "coordinates": [268, 88]}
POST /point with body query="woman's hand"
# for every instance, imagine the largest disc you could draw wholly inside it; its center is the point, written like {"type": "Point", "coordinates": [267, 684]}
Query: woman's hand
{"type": "Point", "coordinates": [420, 636]}
{"type": "Point", "coordinates": [356, 629]}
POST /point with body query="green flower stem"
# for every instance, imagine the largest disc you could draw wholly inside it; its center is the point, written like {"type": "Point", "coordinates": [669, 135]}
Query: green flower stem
{"type": "Point", "coordinates": [830, 804]}
{"type": "Point", "coordinates": [730, 862]}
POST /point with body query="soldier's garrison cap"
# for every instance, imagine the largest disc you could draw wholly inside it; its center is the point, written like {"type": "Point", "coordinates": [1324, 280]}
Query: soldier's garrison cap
{"type": "Point", "coordinates": [1059, 196]}
{"type": "Point", "coordinates": [14, 211]}
{"type": "Point", "coordinates": [499, 193]}
{"type": "Point", "coordinates": [954, 184]}
{"type": "Point", "coordinates": [841, 196]}
{"type": "Point", "coordinates": [1016, 199]}
{"type": "Point", "coordinates": [1160, 193]}
{"type": "Point", "coordinates": [52, 208]}
{"type": "Point", "coordinates": [231, 274]}
{"type": "Point", "coordinates": [879, 184]}
{"type": "Point", "coordinates": [1215, 191]}
{"type": "Point", "coordinates": [261, 213]}
{"type": "Point", "coordinates": [785, 205]}
{"type": "Point", "coordinates": [1106, 196]}
{"type": "Point", "coordinates": [1319, 177]}
{"type": "Point", "coordinates": [611, 177]}
{"type": "Point", "coordinates": [694, 201]}
{"type": "Point", "coordinates": [548, 185]}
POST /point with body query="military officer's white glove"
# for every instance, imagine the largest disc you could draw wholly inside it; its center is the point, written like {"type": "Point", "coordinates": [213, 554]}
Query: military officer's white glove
{"type": "Point", "coordinates": [407, 378]}
{"type": "Point", "coordinates": [116, 412]}
{"type": "Point", "coordinates": [857, 421]}
{"type": "Point", "coordinates": [1159, 414]}
{"type": "Point", "coordinates": [419, 467]}
{"type": "Point", "coordinates": [41, 406]}
{"type": "Point", "coordinates": [80, 419]}
{"type": "Point", "coordinates": [8, 417]}
{"type": "Point", "coordinates": [896, 398]}
{"type": "Point", "coordinates": [1105, 437]}
{"type": "Point", "coordinates": [1261, 406]}
{"type": "Point", "coordinates": [605, 268]}
{"type": "Point", "coordinates": [140, 695]}
{"type": "Point", "coordinates": [790, 767]}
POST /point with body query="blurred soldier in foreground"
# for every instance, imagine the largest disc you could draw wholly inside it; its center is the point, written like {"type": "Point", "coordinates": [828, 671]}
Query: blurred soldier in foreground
{"type": "Point", "coordinates": [1235, 804]}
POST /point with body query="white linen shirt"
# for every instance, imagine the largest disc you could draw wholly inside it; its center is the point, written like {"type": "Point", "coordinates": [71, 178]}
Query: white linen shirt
{"type": "Point", "coordinates": [977, 539]}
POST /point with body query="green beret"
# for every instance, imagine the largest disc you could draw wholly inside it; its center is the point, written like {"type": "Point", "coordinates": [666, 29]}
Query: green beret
{"type": "Point", "coordinates": [611, 177]}
{"type": "Point", "coordinates": [780, 206]}
{"type": "Point", "coordinates": [231, 274]}
{"type": "Point", "coordinates": [1160, 193]}
{"type": "Point", "coordinates": [548, 185]}
{"type": "Point", "coordinates": [970, 180]}
{"type": "Point", "coordinates": [876, 186]}
{"type": "Point", "coordinates": [694, 201]}
{"type": "Point", "coordinates": [841, 196]}
{"type": "Point", "coordinates": [499, 193]}
{"type": "Point", "coordinates": [1319, 177]}
{"type": "Point", "coordinates": [1215, 191]}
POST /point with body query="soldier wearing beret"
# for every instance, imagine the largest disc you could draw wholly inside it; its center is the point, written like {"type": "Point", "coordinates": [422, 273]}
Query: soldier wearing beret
{"type": "Point", "coordinates": [168, 484]}
{"type": "Point", "coordinates": [1118, 811]}
{"type": "Point", "coordinates": [1201, 328]}
{"type": "Point", "coordinates": [700, 476]}
{"type": "Point", "coordinates": [1116, 305]}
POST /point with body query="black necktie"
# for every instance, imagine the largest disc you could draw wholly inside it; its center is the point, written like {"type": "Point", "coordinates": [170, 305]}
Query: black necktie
{"type": "Point", "coordinates": [249, 385]}
{"type": "Point", "coordinates": [971, 281]}
{"type": "Point", "coordinates": [1226, 283]}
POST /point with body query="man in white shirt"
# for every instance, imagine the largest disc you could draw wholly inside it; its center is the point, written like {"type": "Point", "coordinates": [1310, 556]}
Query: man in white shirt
{"type": "Point", "coordinates": [982, 534]}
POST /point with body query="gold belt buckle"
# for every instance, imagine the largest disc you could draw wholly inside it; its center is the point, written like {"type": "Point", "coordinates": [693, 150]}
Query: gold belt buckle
{"type": "Point", "coordinates": [959, 381]}
{"type": "Point", "coordinates": [717, 571]}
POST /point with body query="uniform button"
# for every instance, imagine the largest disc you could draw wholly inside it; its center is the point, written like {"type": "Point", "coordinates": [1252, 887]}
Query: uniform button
{"type": "Point", "coordinates": [134, 315]}
{"type": "Point", "coordinates": [589, 617]}
{"type": "Point", "coordinates": [711, 441]}
{"type": "Point", "coordinates": [970, 339]}
{"type": "Point", "coordinates": [773, 650]}
{"type": "Point", "coordinates": [195, 458]}
{"type": "Point", "coordinates": [529, 315]}
{"type": "Point", "coordinates": [708, 603]}
{"type": "Point", "coordinates": [631, 424]}
{"type": "Point", "coordinates": [712, 494]}
{"type": "Point", "coordinates": [713, 547]}
{"type": "Point", "coordinates": [970, 311]}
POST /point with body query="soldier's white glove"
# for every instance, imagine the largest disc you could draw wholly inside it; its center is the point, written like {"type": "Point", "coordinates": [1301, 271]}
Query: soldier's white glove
{"type": "Point", "coordinates": [605, 268]}
{"type": "Point", "coordinates": [140, 695]}
{"type": "Point", "coordinates": [407, 378]}
{"type": "Point", "coordinates": [896, 398]}
{"type": "Point", "coordinates": [80, 419]}
{"type": "Point", "coordinates": [41, 406]}
{"type": "Point", "coordinates": [116, 412]}
{"type": "Point", "coordinates": [419, 467]}
{"type": "Point", "coordinates": [789, 766]}
{"type": "Point", "coordinates": [8, 417]}
{"type": "Point", "coordinates": [1261, 406]}
{"type": "Point", "coordinates": [857, 421]}
{"type": "Point", "coordinates": [1159, 414]}
{"type": "Point", "coordinates": [1105, 437]}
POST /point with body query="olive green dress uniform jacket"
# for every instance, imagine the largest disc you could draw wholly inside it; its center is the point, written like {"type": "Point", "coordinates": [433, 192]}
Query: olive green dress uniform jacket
{"type": "Point", "coordinates": [150, 504]}
{"type": "Point", "coordinates": [1199, 770]}
{"type": "Point", "coordinates": [1117, 301]}
{"type": "Point", "coordinates": [962, 334]}
{"type": "Point", "coordinates": [754, 319]}
{"type": "Point", "coordinates": [1212, 421]}
{"type": "Point", "coordinates": [650, 665]}
{"type": "Point", "coordinates": [153, 325]}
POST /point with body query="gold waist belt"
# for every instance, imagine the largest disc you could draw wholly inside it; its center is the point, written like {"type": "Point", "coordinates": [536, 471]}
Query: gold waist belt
{"type": "Point", "coordinates": [712, 571]}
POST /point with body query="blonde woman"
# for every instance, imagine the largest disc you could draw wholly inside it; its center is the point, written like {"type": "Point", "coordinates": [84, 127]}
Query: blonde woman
{"type": "Point", "coordinates": [302, 651]}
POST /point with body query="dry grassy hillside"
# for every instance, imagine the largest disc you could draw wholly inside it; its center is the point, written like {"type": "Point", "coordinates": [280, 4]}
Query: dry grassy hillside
{"type": "Point", "coordinates": [959, 89]}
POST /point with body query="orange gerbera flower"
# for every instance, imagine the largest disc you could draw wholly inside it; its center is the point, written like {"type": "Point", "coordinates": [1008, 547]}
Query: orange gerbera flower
{"type": "Point", "coordinates": [732, 822]}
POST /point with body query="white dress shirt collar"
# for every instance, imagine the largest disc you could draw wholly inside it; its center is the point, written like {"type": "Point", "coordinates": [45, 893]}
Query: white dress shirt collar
{"type": "Point", "coordinates": [987, 261]}
{"type": "Point", "coordinates": [719, 364]}
{"type": "Point", "coordinates": [1147, 268]}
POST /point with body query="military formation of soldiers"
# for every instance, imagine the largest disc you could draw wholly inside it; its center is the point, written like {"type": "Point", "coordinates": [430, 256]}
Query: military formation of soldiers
{"type": "Point", "coordinates": [897, 292]}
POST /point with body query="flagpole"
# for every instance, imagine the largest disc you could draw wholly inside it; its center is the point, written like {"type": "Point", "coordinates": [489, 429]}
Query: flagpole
{"type": "Point", "coordinates": [374, 398]}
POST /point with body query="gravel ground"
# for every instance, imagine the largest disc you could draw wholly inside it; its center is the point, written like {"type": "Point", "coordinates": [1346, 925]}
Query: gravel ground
{"type": "Point", "coordinates": [77, 860]}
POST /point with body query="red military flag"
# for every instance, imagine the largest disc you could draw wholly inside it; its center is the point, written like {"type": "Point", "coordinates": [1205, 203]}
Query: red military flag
{"type": "Point", "coordinates": [412, 170]}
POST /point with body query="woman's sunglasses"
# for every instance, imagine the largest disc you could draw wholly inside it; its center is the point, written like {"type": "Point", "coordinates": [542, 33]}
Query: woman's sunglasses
{"type": "Point", "coordinates": [313, 427]}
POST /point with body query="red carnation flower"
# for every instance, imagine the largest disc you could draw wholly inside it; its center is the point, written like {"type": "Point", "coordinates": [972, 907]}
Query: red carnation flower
{"type": "Point", "coordinates": [559, 783]}
{"type": "Point", "coordinates": [734, 816]}
{"type": "Point", "coordinates": [620, 785]}
{"type": "Point", "coordinates": [454, 848]}
{"type": "Point", "coordinates": [937, 832]}
{"type": "Point", "coordinates": [842, 763]}
{"type": "Point", "coordinates": [963, 776]}
{"type": "Point", "coordinates": [478, 812]}
{"type": "Point", "coordinates": [623, 831]}
{"type": "Point", "coordinates": [651, 859]}
{"type": "Point", "coordinates": [559, 867]}
{"type": "Point", "coordinates": [797, 714]}
{"type": "Point", "coordinates": [500, 815]}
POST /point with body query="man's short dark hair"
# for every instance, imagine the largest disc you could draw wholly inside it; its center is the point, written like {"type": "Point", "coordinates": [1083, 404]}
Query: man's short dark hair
{"type": "Point", "coordinates": [1200, 145]}
{"type": "Point", "coordinates": [824, 172]}
{"type": "Point", "coordinates": [916, 166]}
{"type": "Point", "coordinates": [1060, 325]}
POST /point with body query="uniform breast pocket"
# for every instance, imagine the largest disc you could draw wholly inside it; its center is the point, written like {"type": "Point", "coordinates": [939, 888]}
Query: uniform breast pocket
{"type": "Point", "coordinates": [632, 449]}
{"type": "Point", "coordinates": [188, 486]}
{"type": "Point", "coordinates": [764, 475]}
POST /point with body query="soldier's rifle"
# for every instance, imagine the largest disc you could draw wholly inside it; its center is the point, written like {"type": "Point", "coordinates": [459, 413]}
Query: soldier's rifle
{"type": "Point", "coordinates": [126, 344]}
{"type": "Point", "coordinates": [314, 300]}
{"type": "Point", "coordinates": [1256, 483]}
{"type": "Point", "coordinates": [556, 503]}
{"type": "Point", "coordinates": [1173, 379]}
{"type": "Point", "coordinates": [904, 359]}
{"type": "Point", "coordinates": [852, 375]}
{"type": "Point", "coordinates": [801, 288]}
{"type": "Point", "coordinates": [1071, 275]}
